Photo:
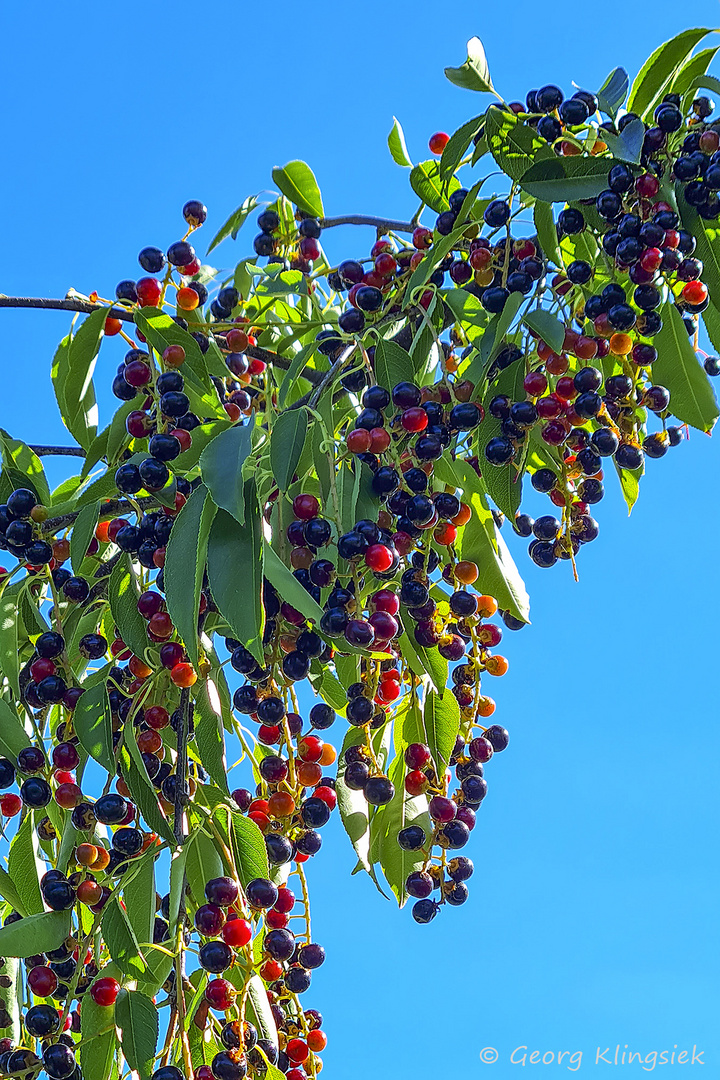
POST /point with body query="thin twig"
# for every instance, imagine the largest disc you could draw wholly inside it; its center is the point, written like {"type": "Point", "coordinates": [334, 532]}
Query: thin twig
{"type": "Point", "coordinates": [385, 224]}
{"type": "Point", "coordinates": [58, 451]}
{"type": "Point", "coordinates": [86, 307]}
{"type": "Point", "coordinates": [111, 506]}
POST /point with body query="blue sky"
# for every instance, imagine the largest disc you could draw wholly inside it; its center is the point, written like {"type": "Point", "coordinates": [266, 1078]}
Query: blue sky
{"type": "Point", "coordinates": [592, 919]}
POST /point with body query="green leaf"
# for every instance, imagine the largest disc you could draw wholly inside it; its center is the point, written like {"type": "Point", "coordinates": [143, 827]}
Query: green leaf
{"type": "Point", "coordinates": [185, 559]}
{"type": "Point", "coordinates": [441, 723]}
{"type": "Point", "coordinates": [297, 182]}
{"type": "Point", "coordinates": [660, 68]}
{"type": "Point", "coordinates": [426, 183]}
{"type": "Point", "coordinates": [235, 222]}
{"type": "Point", "coordinates": [565, 179]}
{"type": "Point", "coordinates": [221, 465]}
{"type": "Point", "coordinates": [143, 793]}
{"type": "Point", "coordinates": [121, 940]}
{"type": "Point", "coordinates": [613, 91]}
{"type": "Point", "coordinates": [13, 737]}
{"type": "Point", "coordinates": [547, 327]}
{"type": "Point", "coordinates": [35, 934]}
{"type": "Point", "coordinates": [474, 74]}
{"type": "Point", "coordinates": [514, 144]}
{"type": "Point", "coordinates": [249, 848]}
{"type": "Point", "coordinates": [396, 144]}
{"type": "Point", "coordinates": [93, 726]}
{"type": "Point", "coordinates": [18, 454]}
{"type": "Point", "coordinates": [482, 543]}
{"type": "Point", "coordinates": [711, 322]}
{"type": "Point", "coordinates": [287, 439]}
{"type": "Point", "coordinates": [9, 659]}
{"type": "Point", "coordinates": [82, 534]}
{"type": "Point", "coordinates": [235, 572]}
{"type": "Point", "coordinates": [392, 364]}
{"type": "Point", "coordinates": [98, 1040]}
{"type": "Point", "coordinates": [137, 1018]}
{"type": "Point", "coordinates": [627, 146]}
{"type": "Point", "coordinates": [264, 1019]}
{"type": "Point", "coordinates": [73, 379]}
{"type": "Point", "coordinates": [209, 732]}
{"type": "Point", "coordinates": [547, 232]}
{"type": "Point", "coordinates": [494, 337]}
{"type": "Point", "coordinates": [691, 74]}
{"type": "Point", "coordinates": [353, 807]}
{"type": "Point", "coordinates": [288, 586]}
{"type": "Point", "coordinates": [422, 661]}
{"type": "Point", "coordinates": [123, 594]}
{"type": "Point", "coordinates": [294, 372]}
{"type": "Point", "coordinates": [26, 866]}
{"type": "Point", "coordinates": [139, 897]}
{"type": "Point", "coordinates": [203, 864]}
{"type": "Point", "coordinates": [630, 484]}
{"type": "Point", "coordinates": [678, 369]}
{"type": "Point", "coordinates": [456, 148]}
{"type": "Point", "coordinates": [9, 892]}
{"type": "Point", "coordinates": [161, 331]}
{"type": "Point", "coordinates": [707, 236]}
{"type": "Point", "coordinates": [402, 811]}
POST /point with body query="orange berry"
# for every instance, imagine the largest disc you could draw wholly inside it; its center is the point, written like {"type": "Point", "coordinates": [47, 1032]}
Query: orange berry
{"type": "Point", "coordinates": [281, 804]}
{"type": "Point", "coordinates": [183, 675]}
{"type": "Point", "coordinates": [438, 142]}
{"type": "Point", "coordinates": [487, 606]}
{"type": "Point", "coordinates": [187, 299]}
{"type": "Point", "coordinates": [445, 533]}
{"type": "Point", "coordinates": [61, 550]}
{"type": "Point", "coordinates": [102, 860]}
{"type": "Point", "coordinates": [112, 327]}
{"type": "Point", "coordinates": [316, 1040]}
{"type": "Point", "coordinates": [101, 531]}
{"type": "Point", "coordinates": [86, 854]}
{"type": "Point", "coordinates": [329, 754]}
{"type": "Point", "coordinates": [89, 892]}
{"type": "Point", "coordinates": [463, 517]}
{"type": "Point", "coordinates": [486, 706]}
{"type": "Point", "coordinates": [466, 572]}
{"type": "Point", "coordinates": [308, 773]}
{"type": "Point", "coordinates": [139, 669]}
{"type": "Point", "coordinates": [496, 665]}
{"type": "Point", "coordinates": [621, 344]}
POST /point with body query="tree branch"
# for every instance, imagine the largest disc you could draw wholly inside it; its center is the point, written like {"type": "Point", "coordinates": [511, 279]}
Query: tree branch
{"type": "Point", "coordinates": [112, 506]}
{"type": "Point", "coordinates": [384, 224]}
{"type": "Point", "coordinates": [58, 451]}
{"type": "Point", "coordinates": [86, 307]}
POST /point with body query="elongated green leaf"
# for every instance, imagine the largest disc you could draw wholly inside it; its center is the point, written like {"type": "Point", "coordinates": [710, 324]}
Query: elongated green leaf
{"type": "Point", "coordinates": [352, 805]}
{"type": "Point", "coordinates": [494, 338]}
{"type": "Point", "coordinates": [82, 533]}
{"type": "Point", "coordinates": [73, 385]}
{"type": "Point", "coordinates": [221, 465]}
{"type": "Point", "coordinates": [547, 327]}
{"type": "Point", "coordinates": [203, 864]}
{"type": "Point", "coordinates": [289, 588]}
{"type": "Point", "coordinates": [235, 569]}
{"type": "Point", "coordinates": [547, 232]}
{"type": "Point", "coordinates": [678, 369]}
{"type": "Point", "coordinates": [209, 732]}
{"type": "Point", "coordinates": [143, 793]}
{"type": "Point", "coordinates": [185, 559]}
{"type": "Point", "coordinates": [93, 726]}
{"type": "Point", "coordinates": [137, 1018]}
{"type": "Point", "coordinates": [711, 322]}
{"type": "Point", "coordinates": [629, 485]}
{"type": "Point", "coordinates": [441, 723]}
{"type": "Point", "coordinates": [482, 543]}
{"type": "Point", "coordinates": [426, 183]}
{"type": "Point", "coordinates": [707, 237]}
{"type": "Point", "coordinates": [396, 144]}
{"type": "Point", "coordinates": [235, 222]}
{"type": "Point", "coordinates": [474, 74]}
{"type": "Point", "coordinates": [501, 482]}
{"type": "Point", "coordinates": [287, 440]}
{"type": "Point", "coordinates": [249, 848]}
{"type": "Point", "coordinates": [26, 866]}
{"type": "Point", "coordinates": [9, 892]}
{"type": "Point", "coordinates": [139, 898]}
{"type": "Point", "coordinates": [36, 934]}
{"type": "Point", "coordinates": [392, 364]}
{"type": "Point", "coordinates": [691, 74]}
{"type": "Point", "coordinates": [258, 1001]}
{"type": "Point", "coordinates": [9, 659]}
{"type": "Point", "coordinates": [613, 91]}
{"type": "Point", "coordinates": [297, 182]}
{"type": "Point", "coordinates": [660, 68]}
{"type": "Point", "coordinates": [514, 144]}
{"type": "Point", "coordinates": [18, 455]}
{"type": "Point", "coordinates": [441, 246]}
{"type": "Point", "coordinates": [458, 145]}
{"type": "Point", "coordinates": [567, 179]}
{"type": "Point", "coordinates": [404, 810]}
{"type": "Point", "coordinates": [707, 82]}
{"type": "Point", "coordinates": [121, 940]}
{"type": "Point", "coordinates": [13, 737]}
{"type": "Point", "coordinates": [123, 594]}
{"type": "Point", "coordinates": [98, 1038]}
{"type": "Point", "coordinates": [423, 661]}
{"type": "Point", "coordinates": [161, 331]}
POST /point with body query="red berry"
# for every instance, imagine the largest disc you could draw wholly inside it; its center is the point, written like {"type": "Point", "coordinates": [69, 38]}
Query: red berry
{"type": "Point", "coordinates": [438, 142]}
{"type": "Point", "coordinates": [157, 717]}
{"type": "Point", "coordinates": [414, 419]}
{"type": "Point", "coordinates": [358, 441]}
{"type": "Point", "coordinates": [149, 603]}
{"type": "Point", "coordinates": [171, 654]}
{"type": "Point", "coordinates": [310, 748]}
{"type": "Point", "coordinates": [305, 507]}
{"type": "Point", "coordinates": [384, 625]}
{"type": "Point", "coordinates": [42, 981]}
{"type": "Point", "coordinates": [160, 625]}
{"type": "Point", "coordinates": [385, 264]}
{"type": "Point", "coordinates": [183, 675]}
{"type": "Point", "coordinates": [327, 794]}
{"type": "Point", "coordinates": [647, 185]}
{"type": "Point", "coordinates": [416, 782]}
{"type": "Point", "coordinates": [442, 809]}
{"type": "Point", "coordinates": [105, 991]}
{"type": "Point", "coordinates": [565, 388]}
{"type": "Point", "coordinates": [379, 557]}
{"type": "Point", "coordinates": [297, 1050]}
{"type": "Point", "coordinates": [68, 796]}
{"type": "Point", "coordinates": [422, 238]}
{"type": "Point", "coordinates": [535, 383]}
{"type": "Point", "coordinates": [695, 292]}
{"type": "Point", "coordinates": [285, 900]}
{"type": "Point", "coordinates": [148, 290]}
{"type": "Point", "coordinates": [417, 756]}
{"type": "Point", "coordinates": [10, 805]}
{"type": "Point", "coordinates": [276, 920]}
{"type": "Point", "coordinates": [220, 994]}
{"type": "Point", "coordinates": [386, 600]}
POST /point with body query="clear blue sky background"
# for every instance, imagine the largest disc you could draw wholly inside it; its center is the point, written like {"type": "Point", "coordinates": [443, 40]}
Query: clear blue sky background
{"type": "Point", "coordinates": [593, 910]}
